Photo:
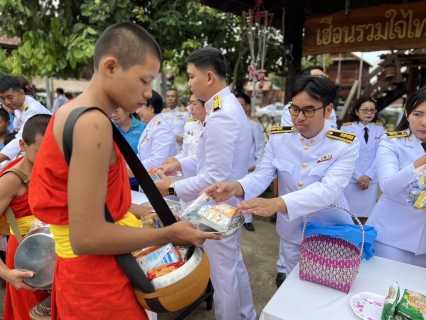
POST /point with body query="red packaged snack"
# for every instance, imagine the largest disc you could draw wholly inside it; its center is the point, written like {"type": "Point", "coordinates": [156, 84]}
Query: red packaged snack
{"type": "Point", "coordinates": [163, 270]}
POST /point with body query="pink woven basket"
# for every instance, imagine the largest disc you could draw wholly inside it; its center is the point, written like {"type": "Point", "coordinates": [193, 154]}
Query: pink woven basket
{"type": "Point", "coordinates": [330, 261]}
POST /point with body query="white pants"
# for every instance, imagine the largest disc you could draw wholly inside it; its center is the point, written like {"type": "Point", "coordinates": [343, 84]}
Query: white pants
{"type": "Point", "coordinates": [361, 202]}
{"type": "Point", "coordinates": [289, 256]}
{"type": "Point", "coordinates": [281, 265]}
{"type": "Point", "coordinates": [248, 218]}
{"type": "Point", "coordinates": [232, 293]}
{"type": "Point", "coordinates": [392, 253]}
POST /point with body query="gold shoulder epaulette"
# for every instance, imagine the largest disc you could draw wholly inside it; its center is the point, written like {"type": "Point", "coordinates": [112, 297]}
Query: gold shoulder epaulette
{"type": "Point", "coordinates": [217, 103]}
{"type": "Point", "coordinates": [342, 136]}
{"type": "Point", "coordinates": [282, 129]}
{"type": "Point", "coordinates": [183, 109]}
{"type": "Point", "coordinates": [165, 110]}
{"type": "Point", "coordinates": [379, 124]}
{"type": "Point", "coordinates": [347, 124]}
{"type": "Point", "coordinates": [25, 107]}
{"type": "Point", "coordinates": [191, 120]}
{"type": "Point", "coordinates": [396, 134]}
{"type": "Point", "coordinates": [254, 119]}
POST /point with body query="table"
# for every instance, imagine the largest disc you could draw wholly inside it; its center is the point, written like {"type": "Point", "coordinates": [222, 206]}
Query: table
{"type": "Point", "coordinates": [303, 300]}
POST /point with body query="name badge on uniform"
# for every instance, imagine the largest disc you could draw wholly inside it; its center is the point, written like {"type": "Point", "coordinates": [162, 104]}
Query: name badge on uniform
{"type": "Point", "coordinates": [180, 116]}
{"type": "Point", "coordinates": [325, 158]}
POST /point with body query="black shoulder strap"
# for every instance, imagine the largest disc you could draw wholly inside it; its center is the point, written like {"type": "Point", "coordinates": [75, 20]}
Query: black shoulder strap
{"type": "Point", "coordinates": [126, 261]}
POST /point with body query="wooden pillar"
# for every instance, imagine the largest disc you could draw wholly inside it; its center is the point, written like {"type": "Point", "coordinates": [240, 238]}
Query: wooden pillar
{"type": "Point", "coordinates": [413, 80]}
{"type": "Point", "coordinates": [294, 24]}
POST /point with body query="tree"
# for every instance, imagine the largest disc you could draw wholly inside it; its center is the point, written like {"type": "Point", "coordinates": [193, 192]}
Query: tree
{"type": "Point", "coordinates": [58, 36]}
{"type": "Point", "coordinates": [4, 67]}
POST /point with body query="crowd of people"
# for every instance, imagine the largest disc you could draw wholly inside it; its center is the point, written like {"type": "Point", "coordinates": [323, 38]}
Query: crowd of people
{"type": "Point", "coordinates": [219, 149]}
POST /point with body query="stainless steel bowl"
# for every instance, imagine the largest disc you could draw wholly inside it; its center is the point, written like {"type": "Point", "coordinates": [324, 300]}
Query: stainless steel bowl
{"type": "Point", "coordinates": [170, 203]}
{"type": "Point", "coordinates": [180, 273]}
{"type": "Point", "coordinates": [236, 224]}
{"type": "Point", "coordinates": [36, 253]}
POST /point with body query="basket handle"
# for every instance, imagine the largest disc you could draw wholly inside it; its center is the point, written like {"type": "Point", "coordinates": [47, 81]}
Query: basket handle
{"type": "Point", "coordinates": [341, 208]}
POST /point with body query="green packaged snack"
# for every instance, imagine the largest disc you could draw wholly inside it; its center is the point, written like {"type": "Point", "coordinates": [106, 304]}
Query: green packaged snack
{"type": "Point", "coordinates": [391, 302]}
{"type": "Point", "coordinates": [412, 306]}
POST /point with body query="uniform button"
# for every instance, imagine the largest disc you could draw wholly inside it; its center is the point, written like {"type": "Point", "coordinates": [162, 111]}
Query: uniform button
{"type": "Point", "coordinates": [306, 147]}
{"type": "Point", "coordinates": [410, 138]}
{"type": "Point", "coordinates": [312, 141]}
{"type": "Point", "coordinates": [302, 139]}
{"type": "Point", "coordinates": [304, 165]}
{"type": "Point", "coordinates": [300, 184]}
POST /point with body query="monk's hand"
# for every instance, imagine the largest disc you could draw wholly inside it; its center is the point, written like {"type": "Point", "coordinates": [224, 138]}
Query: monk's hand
{"type": "Point", "coordinates": [15, 277]}
{"type": "Point", "coordinates": [164, 184]}
{"type": "Point", "coordinates": [262, 207]}
{"type": "Point", "coordinates": [185, 233]}
{"type": "Point", "coordinates": [170, 160]}
{"type": "Point", "coordinates": [222, 191]}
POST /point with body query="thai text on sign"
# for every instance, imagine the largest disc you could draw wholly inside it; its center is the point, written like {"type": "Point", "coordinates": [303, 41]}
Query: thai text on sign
{"type": "Point", "coordinates": [383, 27]}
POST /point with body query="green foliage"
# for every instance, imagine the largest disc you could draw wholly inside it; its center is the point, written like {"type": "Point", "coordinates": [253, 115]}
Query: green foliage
{"type": "Point", "coordinates": [319, 60]}
{"type": "Point", "coordinates": [58, 36]}
{"type": "Point", "coordinates": [4, 67]}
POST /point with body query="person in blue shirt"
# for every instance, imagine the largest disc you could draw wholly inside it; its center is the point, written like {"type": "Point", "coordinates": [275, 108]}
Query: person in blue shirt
{"type": "Point", "coordinates": [131, 129]}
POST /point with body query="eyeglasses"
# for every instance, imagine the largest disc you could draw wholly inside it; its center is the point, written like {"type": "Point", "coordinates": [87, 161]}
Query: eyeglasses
{"type": "Point", "coordinates": [366, 111]}
{"type": "Point", "coordinates": [307, 112]}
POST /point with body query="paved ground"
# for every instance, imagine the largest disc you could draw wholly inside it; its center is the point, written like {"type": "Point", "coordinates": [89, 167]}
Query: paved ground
{"type": "Point", "coordinates": [260, 252]}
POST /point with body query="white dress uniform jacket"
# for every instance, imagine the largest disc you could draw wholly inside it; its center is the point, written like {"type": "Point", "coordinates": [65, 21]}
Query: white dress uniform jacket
{"type": "Point", "coordinates": [30, 108]}
{"type": "Point", "coordinates": [222, 156]}
{"type": "Point", "coordinates": [258, 143]}
{"type": "Point", "coordinates": [331, 121]}
{"type": "Point", "coordinates": [312, 174]}
{"type": "Point", "coordinates": [361, 202]}
{"type": "Point", "coordinates": [193, 130]}
{"type": "Point", "coordinates": [397, 223]}
{"type": "Point", "coordinates": [157, 143]}
{"type": "Point", "coordinates": [176, 118]}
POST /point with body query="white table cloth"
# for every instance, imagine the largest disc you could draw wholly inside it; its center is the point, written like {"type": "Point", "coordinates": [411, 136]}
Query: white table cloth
{"type": "Point", "coordinates": [303, 300]}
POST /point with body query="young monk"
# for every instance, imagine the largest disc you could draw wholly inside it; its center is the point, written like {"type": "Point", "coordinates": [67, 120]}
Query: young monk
{"type": "Point", "coordinates": [88, 282]}
{"type": "Point", "coordinates": [20, 298]}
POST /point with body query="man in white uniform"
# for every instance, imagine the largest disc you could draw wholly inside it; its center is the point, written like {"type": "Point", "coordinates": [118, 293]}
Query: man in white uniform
{"type": "Point", "coordinates": [314, 165]}
{"type": "Point", "coordinates": [224, 147]}
{"type": "Point", "coordinates": [175, 116]}
{"type": "Point", "coordinates": [286, 121]}
{"type": "Point", "coordinates": [257, 146]}
{"type": "Point", "coordinates": [13, 96]}
{"type": "Point", "coordinates": [194, 127]}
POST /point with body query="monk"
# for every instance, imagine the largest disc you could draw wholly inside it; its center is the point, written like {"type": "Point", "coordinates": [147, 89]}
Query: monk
{"type": "Point", "coordinates": [20, 298]}
{"type": "Point", "coordinates": [88, 282]}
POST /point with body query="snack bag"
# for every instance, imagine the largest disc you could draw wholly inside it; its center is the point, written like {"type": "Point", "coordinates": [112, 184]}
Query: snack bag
{"type": "Point", "coordinates": [158, 257]}
{"type": "Point", "coordinates": [154, 175]}
{"type": "Point", "coordinates": [151, 221]}
{"type": "Point", "coordinates": [391, 301]}
{"type": "Point", "coordinates": [163, 270]}
{"type": "Point", "coordinates": [417, 193]}
{"type": "Point", "coordinates": [190, 212]}
{"type": "Point", "coordinates": [226, 210]}
{"type": "Point", "coordinates": [216, 220]}
{"type": "Point", "coordinates": [412, 306]}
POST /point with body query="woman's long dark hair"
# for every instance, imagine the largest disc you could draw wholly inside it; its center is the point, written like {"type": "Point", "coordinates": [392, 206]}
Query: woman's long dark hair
{"type": "Point", "coordinates": [415, 100]}
{"type": "Point", "coordinates": [354, 117]}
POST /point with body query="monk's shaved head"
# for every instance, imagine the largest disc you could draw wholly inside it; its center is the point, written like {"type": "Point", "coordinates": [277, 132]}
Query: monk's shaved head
{"type": "Point", "coordinates": [129, 43]}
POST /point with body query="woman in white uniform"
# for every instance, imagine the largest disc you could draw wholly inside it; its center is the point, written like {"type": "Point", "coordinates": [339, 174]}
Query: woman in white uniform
{"type": "Point", "coordinates": [401, 229]}
{"type": "Point", "coordinates": [362, 189]}
{"type": "Point", "coordinates": [157, 142]}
